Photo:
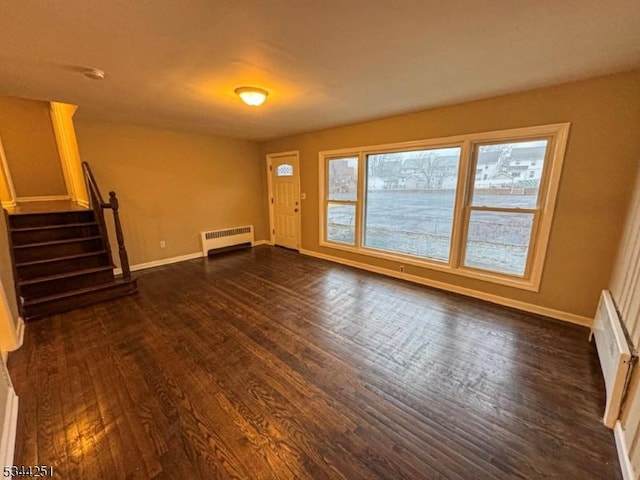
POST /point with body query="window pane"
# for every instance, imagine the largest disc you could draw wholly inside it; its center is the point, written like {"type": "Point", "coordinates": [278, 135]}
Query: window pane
{"type": "Point", "coordinates": [410, 201]}
{"type": "Point", "coordinates": [509, 174]}
{"type": "Point", "coordinates": [343, 178]}
{"type": "Point", "coordinates": [499, 241]}
{"type": "Point", "coordinates": [284, 170]}
{"type": "Point", "coordinates": [341, 223]}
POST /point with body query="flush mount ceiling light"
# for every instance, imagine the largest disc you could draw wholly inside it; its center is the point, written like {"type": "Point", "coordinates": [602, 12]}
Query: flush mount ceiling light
{"type": "Point", "coordinates": [252, 96]}
{"type": "Point", "coordinates": [94, 73]}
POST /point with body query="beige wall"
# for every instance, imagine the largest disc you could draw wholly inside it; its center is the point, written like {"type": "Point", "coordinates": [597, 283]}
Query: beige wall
{"type": "Point", "coordinates": [173, 185]}
{"type": "Point", "coordinates": [30, 146]}
{"type": "Point", "coordinates": [65, 135]}
{"type": "Point", "coordinates": [597, 180]}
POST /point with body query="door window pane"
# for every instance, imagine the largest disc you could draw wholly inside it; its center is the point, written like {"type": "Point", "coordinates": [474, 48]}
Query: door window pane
{"type": "Point", "coordinates": [343, 178]}
{"type": "Point", "coordinates": [498, 241]}
{"type": "Point", "coordinates": [410, 201]}
{"type": "Point", "coordinates": [509, 174]}
{"type": "Point", "coordinates": [284, 170]}
{"type": "Point", "coordinates": [341, 223]}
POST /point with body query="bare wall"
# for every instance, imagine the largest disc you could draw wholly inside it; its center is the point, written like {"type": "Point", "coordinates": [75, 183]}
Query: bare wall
{"type": "Point", "coordinates": [30, 146]}
{"type": "Point", "coordinates": [173, 185]}
{"type": "Point", "coordinates": [597, 180]}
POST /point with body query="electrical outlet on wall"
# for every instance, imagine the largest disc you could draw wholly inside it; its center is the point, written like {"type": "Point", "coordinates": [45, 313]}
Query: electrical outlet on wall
{"type": "Point", "coordinates": [162, 244]}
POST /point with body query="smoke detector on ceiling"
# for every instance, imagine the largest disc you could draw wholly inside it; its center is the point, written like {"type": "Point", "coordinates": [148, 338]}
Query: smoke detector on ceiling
{"type": "Point", "coordinates": [94, 73]}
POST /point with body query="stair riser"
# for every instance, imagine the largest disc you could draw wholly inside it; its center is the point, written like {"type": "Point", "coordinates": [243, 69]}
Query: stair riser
{"type": "Point", "coordinates": [60, 233]}
{"type": "Point", "coordinates": [51, 268]}
{"type": "Point", "coordinates": [62, 305]}
{"type": "Point", "coordinates": [52, 251]}
{"type": "Point", "coordinates": [52, 218]}
{"type": "Point", "coordinates": [52, 287]}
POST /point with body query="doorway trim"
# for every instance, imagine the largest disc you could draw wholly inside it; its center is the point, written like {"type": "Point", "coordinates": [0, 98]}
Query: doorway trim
{"type": "Point", "coordinates": [270, 157]}
{"type": "Point", "coordinates": [5, 177]}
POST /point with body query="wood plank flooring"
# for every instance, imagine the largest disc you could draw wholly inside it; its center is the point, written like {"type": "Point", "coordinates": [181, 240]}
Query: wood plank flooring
{"type": "Point", "coordinates": [267, 364]}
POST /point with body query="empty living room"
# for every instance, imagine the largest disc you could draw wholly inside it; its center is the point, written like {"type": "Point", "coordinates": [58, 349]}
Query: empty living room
{"type": "Point", "coordinates": [320, 240]}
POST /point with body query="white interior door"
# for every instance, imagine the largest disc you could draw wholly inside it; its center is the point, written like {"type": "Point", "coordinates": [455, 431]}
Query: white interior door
{"type": "Point", "coordinates": [285, 200]}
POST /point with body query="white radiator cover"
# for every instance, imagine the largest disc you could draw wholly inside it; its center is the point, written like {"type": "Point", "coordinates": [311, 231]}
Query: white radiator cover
{"type": "Point", "coordinates": [226, 237]}
{"type": "Point", "coordinates": [614, 354]}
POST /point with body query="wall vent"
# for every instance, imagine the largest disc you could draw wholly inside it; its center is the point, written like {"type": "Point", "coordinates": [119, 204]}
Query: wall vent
{"type": "Point", "coordinates": [226, 237]}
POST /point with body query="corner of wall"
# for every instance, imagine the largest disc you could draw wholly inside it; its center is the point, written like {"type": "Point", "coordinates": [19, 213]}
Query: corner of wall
{"type": "Point", "coordinates": [67, 143]}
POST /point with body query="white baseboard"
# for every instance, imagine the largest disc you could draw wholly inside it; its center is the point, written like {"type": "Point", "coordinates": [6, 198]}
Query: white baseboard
{"type": "Point", "coordinates": [20, 332]}
{"type": "Point", "coordinates": [623, 452]}
{"type": "Point", "coordinates": [8, 418]}
{"type": "Point", "coordinates": [181, 258]}
{"type": "Point", "coordinates": [159, 263]}
{"type": "Point", "coordinates": [43, 198]}
{"type": "Point", "coordinates": [507, 302]}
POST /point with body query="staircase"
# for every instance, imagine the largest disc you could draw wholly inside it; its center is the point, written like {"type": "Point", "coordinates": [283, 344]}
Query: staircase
{"type": "Point", "coordinates": [62, 262]}
{"type": "Point", "coordinates": [62, 259]}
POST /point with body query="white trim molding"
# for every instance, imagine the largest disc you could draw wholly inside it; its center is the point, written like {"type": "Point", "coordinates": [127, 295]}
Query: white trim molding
{"type": "Point", "coordinates": [5, 176]}
{"type": "Point", "coordinates": [43, 198]}
{"type": "Point", "coordinates": [160, 263]}
{"type": "Point", "coordinates": [623, 452]}
{"type": "Point", "coordinates": [20, 332]}
{"type": "Point", "coordinates": [8, 417]}
{"type": "Point", "coordinates": [178, 259]}
{"type": "Point", "coordinates": [504, 301]}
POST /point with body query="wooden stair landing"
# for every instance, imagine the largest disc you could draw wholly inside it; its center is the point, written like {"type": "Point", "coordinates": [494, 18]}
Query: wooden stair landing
{"type": "Point", "coordinates": [62, 261]}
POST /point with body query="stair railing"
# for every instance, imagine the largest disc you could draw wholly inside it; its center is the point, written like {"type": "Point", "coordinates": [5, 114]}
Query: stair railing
{"type": "Point", "coordinates": [99, 206]}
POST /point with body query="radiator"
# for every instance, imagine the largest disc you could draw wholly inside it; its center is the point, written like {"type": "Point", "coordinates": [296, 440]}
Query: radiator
{"type": "Point", "coordinates": [614, 354]}
{"type": "Point", "coordinates": [226, 237]}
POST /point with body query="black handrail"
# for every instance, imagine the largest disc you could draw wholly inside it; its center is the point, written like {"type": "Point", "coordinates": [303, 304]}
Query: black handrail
{"type": "Point", "coordinates": [99, 205]}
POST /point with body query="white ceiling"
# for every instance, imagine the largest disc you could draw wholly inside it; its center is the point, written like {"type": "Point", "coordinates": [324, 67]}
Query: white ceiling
{"type": "Point", "coordinates": [175, 64]}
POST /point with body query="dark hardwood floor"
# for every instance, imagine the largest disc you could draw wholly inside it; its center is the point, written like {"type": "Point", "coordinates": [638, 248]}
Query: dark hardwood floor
{"type": "Point", "coordinates": [267, 364]}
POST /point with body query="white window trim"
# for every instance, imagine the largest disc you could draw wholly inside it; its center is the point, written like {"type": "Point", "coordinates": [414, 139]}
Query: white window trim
{"type": "Point", "coordinates": [541, 230]}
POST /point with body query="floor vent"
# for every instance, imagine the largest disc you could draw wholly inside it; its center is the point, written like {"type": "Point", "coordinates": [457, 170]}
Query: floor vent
{"type": "Point", "coordinates": [228, 237]}
{"type": "Point", "coordinates": [614, 354]}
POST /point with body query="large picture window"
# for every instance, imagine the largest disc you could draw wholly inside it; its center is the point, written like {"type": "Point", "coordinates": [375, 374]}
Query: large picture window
{"type": "Point", "coordinates": [410, 200]}
{"type": "Point", "coordinates": [478, 205]}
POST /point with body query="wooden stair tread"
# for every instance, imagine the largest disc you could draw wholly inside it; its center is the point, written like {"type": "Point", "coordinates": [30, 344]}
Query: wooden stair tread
{"type": "Point", "coordinates": [60, 259]}
{"type": "Point", "coordinates": [79, 291]}
{"type": "Point", "coordinates": [92, 223]}
{"type": "Point", "coordinates": [58, 242]}
{"type": "Point", "coordinates": [60, 276]}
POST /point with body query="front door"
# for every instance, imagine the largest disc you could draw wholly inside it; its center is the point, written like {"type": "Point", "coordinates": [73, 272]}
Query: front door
{"type": "Point", "coordinates": [285, 200]}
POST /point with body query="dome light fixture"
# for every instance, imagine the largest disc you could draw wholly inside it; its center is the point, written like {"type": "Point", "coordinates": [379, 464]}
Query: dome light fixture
{"type": "Point", "coordinates": [252, 96]}
{"type": "Point", "coordinates": [94, 73]}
